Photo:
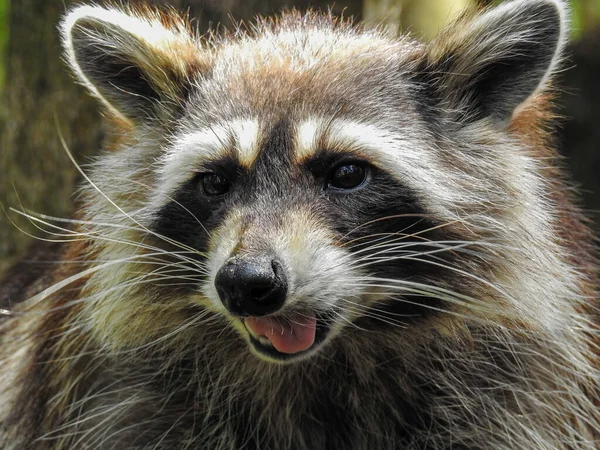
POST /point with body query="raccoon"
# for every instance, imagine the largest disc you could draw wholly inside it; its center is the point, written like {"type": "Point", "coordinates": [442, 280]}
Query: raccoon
{"type": "Point", "coordinates": [308, 234]}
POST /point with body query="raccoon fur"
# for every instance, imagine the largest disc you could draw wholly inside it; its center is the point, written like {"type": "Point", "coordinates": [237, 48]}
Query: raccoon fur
{"type": "Point", "coordinates": [306, 234]}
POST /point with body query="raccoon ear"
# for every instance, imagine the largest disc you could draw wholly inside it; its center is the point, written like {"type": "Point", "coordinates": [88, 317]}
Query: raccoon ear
{"type": "Point", "coordinates": [489, 65]}
{"type": "Point", "coordinates": [137, 62]}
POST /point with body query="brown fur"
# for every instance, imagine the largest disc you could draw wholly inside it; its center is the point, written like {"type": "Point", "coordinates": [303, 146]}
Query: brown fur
{"type": "Point", "coordinates": [497, 349]}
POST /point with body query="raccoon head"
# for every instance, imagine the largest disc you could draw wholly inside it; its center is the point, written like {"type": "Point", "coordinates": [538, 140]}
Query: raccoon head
{"type": "Point", "coordinates": [309, 179]}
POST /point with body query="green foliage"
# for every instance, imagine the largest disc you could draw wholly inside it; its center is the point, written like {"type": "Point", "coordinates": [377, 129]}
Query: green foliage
{"type": "Point", "coordinates": [577, 19]}
{"type": "Point", "coordinates": [585, 15]}
{"type": "Point", "coordinates": [3, 38]}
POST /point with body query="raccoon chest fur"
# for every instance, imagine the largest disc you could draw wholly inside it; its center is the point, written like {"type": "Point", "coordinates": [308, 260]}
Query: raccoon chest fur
{"type": "Point", "coordinates": [311, 235]}
{"type": "Point", "coordinates": [347, 400]}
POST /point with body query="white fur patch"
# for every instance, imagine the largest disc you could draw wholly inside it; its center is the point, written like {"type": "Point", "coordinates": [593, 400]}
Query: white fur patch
{"type": "Point", "coordinates": [187, 153]}
{"type": "Point", "coordinates": [246, 136]}
{"type": "Point", "coordinates": [143, 28]}
{"type": "Point", "coordinates": [400, 155]}
{"type": "Point", "coordinates": [306, 138]}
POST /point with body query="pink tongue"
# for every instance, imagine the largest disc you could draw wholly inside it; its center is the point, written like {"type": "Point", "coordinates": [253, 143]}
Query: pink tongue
{"type": "Point", "coordinates": [290, 335]}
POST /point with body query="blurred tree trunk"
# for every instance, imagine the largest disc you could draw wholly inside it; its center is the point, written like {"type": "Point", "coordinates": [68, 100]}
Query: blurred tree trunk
{"type": "Point", "coordinates": [35, 170]}
{"type": "Point", "coordinates": [3, 38]}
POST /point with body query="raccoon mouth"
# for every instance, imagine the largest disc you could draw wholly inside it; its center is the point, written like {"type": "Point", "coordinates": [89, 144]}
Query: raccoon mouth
{"type": "Point", "coordinates": [286, 338]}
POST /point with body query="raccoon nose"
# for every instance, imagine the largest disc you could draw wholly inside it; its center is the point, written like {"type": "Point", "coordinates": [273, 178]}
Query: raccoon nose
{"type": "Point", "coordinates": [250, 286]}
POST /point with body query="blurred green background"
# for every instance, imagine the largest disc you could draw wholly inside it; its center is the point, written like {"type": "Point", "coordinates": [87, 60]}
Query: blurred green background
{"type": "Point", "coordinates": [3, 38]}
{"type": "Point", "coordinates": [35, 86]}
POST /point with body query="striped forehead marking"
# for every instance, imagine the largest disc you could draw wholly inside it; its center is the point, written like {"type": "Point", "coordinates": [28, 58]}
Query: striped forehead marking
{"type": "Point", "coordinates": [186, 154]}
{"type": "Point", "coordinates": [239, 137]}
{"type": "Point", "coordinates": [379, 146]}
{"type": "Point", "coordinates": [316, 134]}
{"type": "Point", "coordinates": [403, 156]}
{"type": "Point", "coordinates": [307, 134]}
{"type": "Point", "coordinates": [246, 134]}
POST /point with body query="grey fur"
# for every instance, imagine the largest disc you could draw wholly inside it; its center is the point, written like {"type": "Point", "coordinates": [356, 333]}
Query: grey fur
{"type": "Point", "coordinates": [481, 335]}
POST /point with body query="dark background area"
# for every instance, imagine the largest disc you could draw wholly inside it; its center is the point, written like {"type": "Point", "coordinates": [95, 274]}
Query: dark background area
{"type": "Point", "coordinates": [38, 97]}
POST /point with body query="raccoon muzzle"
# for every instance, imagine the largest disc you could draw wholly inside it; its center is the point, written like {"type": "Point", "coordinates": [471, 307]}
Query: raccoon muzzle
{"type": "Point", "coordinates": [252, 286]}
{"type": "Point", "coordinates": [255, 287]}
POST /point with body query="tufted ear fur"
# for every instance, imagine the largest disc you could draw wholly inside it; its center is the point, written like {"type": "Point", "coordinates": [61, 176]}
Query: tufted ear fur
{"type": "Point", "coordinates": [138, 62]}
{"type": "Point", "coordinates": [487, 66]}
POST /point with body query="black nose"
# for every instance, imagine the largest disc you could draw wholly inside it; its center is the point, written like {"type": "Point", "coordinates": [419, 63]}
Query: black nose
{"type": "Point", "coordinates": [251, 286]}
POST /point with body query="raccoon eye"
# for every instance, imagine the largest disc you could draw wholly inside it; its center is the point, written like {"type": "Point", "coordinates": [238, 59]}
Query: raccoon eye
{"type": "Point", "coordinates": [347, 176]}
{"type": "Point", "coordinates": [214, 184]}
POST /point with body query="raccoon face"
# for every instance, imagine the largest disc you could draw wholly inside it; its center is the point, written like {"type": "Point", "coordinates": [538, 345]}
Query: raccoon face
{"type": "Point", "coordinates": [291, 239]}
{"type": "Point", "coordinates": [320, 179]}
